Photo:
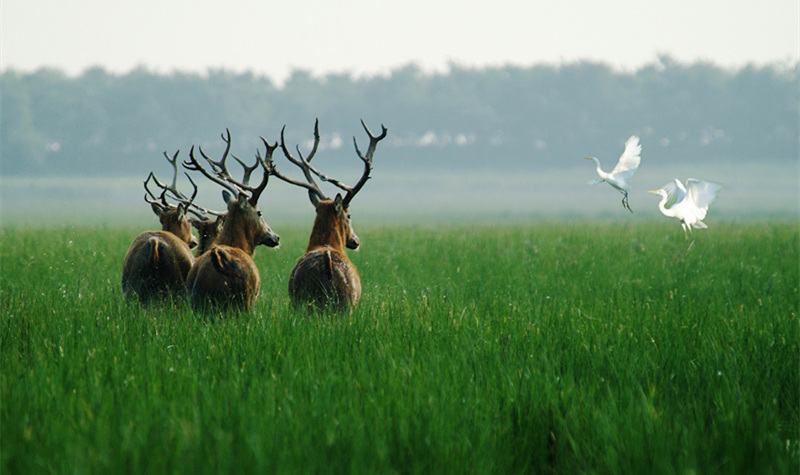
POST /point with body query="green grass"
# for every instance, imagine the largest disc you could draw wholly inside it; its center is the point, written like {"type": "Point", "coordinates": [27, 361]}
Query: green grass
{"type": "Point", "coordinates": [544, 347]}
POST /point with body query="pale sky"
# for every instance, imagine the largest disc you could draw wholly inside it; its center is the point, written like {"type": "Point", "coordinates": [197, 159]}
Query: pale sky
{"type": "Point", "coordinates": [372, 37]}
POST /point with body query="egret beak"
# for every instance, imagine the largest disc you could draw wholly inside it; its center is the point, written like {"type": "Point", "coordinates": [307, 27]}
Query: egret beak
{"type": "Point", "coordinates": [654, 191]}
{"type": "Point", "coordinates": [587, 158]}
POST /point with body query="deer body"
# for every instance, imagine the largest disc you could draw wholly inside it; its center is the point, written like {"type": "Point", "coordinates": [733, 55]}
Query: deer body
{"type": "Point", "coordinates": [158, 262]}
{"type": "Point", "coordinates": [226, 275]}
{"type": "Point", "coordinates": [324, 275]}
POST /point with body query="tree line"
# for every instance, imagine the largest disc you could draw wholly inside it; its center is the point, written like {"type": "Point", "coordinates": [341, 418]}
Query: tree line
{"type": "Point", "coordinates": [520, 117]}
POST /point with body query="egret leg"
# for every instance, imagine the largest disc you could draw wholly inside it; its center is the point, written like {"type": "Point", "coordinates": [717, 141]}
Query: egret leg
{"type": "Point", "coordinates": [625, 202]}
{"type": "Point", "coordinates": [686, 230]}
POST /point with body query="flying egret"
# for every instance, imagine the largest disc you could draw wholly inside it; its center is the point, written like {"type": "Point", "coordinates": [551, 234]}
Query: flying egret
{"type": "Point", "coordinates": [687, 203]}
{"type": "Point", "coordinates": [626, 167]}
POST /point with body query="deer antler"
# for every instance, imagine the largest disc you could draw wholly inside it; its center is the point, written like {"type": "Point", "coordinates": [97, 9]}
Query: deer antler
{"type": "Point", "coordinates": [193, 165]}
{"type": "Point", "coordinates": [172, 188]}
{"type": "Point", "coordinates": [266, 164]}
{"type": "Point", "coordinates": [222, 176]}
{"type": "Point", "coordinates": [248, 170]}
{"type": "Point", "coordinates": [373, 143]}
{"type": "Point", "coordinates": [161, 201]}
{"type": "Point", "coordinates": [314, 191]}
{"type": "Point", "coordinates": [189, 203]}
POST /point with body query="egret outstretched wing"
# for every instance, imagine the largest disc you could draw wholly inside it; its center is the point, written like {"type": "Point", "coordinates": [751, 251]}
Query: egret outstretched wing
{"type": "Point", "coordinates": [702, 194]}
{"type": "Point", "coordinates": [630, 159]}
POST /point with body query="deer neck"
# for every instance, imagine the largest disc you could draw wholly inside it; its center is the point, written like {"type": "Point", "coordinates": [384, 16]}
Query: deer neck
{"type": "Point", "coordinates": [234, 234]}
{"type": "Point", "coordinates": [178, 230]}
{"type": "Point", "coordinates": [328, 231]}
{"type": "Point", "coordinates": [170, 222]}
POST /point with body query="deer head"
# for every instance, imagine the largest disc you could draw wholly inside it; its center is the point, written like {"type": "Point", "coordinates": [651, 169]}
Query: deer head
{"type": "Point", "coordinates": [332, 225]}
{"type": "Point", "coordinates": [207, 231]}
{"type": "Point", "coordinates": [173, 218]}
{"type": "Point", "coordinates": [244, 226]}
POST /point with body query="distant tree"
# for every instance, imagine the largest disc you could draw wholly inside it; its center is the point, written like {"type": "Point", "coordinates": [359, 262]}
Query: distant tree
{"type": "Point", "coordinates": [22, 146]}
{"type": "Point", "coordinates": [505, 116]}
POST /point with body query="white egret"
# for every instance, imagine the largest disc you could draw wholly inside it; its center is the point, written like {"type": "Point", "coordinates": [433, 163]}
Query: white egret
{"type": "Point", "coordinates": [687, 203]}
{"type": "Point", "coordinates": [626, 167]}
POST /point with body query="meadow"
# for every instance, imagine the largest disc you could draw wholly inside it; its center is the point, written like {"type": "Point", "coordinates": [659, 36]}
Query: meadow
{"type": "Point", "coordinates": [544, 347]}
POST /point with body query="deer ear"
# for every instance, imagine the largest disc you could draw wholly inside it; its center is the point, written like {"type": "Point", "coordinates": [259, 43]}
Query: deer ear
{"type": "Point", "coordinates": [313, 198]}
{"type": "Point", "coordinates": [181, 211]}
{"type": "Point", "coordinates": [226, 196]}
{"type": "Point", "coordinates": [243, 203]}
{"type": "Point", "coordinates": [157, 209]}
{"type": "Point", "coordinates": [337, 203]}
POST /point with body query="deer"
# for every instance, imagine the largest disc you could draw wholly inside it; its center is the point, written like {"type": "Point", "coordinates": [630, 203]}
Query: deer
{"type": "Point", "coordinates": [226, 275]}
{"type": "Point", "coordinates": [158, 262]}
{"type": "Point", "coordinates": [207, 231]}
{"type": "Point", "coordinates": [324, 277]}
{"type": "Point", "coordinates": [207, 228]}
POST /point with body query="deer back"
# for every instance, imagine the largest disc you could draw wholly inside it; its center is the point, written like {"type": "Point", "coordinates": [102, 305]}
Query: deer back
{"type": "Point", "coordinates": [158, 262]}
{"type": "Point", "coordinates": [324, 276]}
{"type": "Point", "coordinates": [223, 277]}
{"type": "Point", "coordinates": [156, 267]}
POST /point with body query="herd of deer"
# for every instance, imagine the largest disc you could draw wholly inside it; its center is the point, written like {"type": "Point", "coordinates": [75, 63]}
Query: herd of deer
{"type": "Point", "coordinates": [160, 265]}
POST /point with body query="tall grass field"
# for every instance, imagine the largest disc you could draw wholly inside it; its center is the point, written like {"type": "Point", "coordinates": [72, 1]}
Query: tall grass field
{"type": "Point", "coordinates": [514, 348]}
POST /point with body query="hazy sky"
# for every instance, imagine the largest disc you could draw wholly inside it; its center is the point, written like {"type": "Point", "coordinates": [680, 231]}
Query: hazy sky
{"type": "Point", "coordinates": [368, 37]}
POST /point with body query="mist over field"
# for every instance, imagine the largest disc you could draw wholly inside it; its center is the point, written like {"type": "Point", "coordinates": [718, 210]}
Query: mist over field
{"type": "Point", "coordinates": [750, 191]}
{"type": "Point", "coordinates": [470, 143]}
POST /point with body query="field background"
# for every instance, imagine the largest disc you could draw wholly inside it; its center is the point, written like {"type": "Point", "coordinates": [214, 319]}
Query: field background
{"type": "Point", "coordinates": [531, 347]}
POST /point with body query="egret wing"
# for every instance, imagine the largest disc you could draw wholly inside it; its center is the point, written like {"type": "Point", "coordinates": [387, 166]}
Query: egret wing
{"type": "Point", "coordinates": [630, 158]}
{"type": "Point", "coordinates": [675, 192]}
{"type": "Point", "coordinates": [702, 194]}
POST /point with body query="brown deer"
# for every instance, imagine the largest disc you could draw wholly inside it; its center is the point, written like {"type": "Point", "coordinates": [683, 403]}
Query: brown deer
{"type": "Point", "coordinates": [207, 228]}
{"type": "Point", "coordinates": [207, 231]}
{"type": "Point", "coordinates": [158, 262]}
{"type": "Point", "coordinates": [324, 276]}
{"type": "Point", "coordinates": [226, 274]}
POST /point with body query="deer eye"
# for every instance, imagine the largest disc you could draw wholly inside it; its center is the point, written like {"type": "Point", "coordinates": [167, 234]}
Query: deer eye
{"type": "Point", "coordinates": [259, 213]}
